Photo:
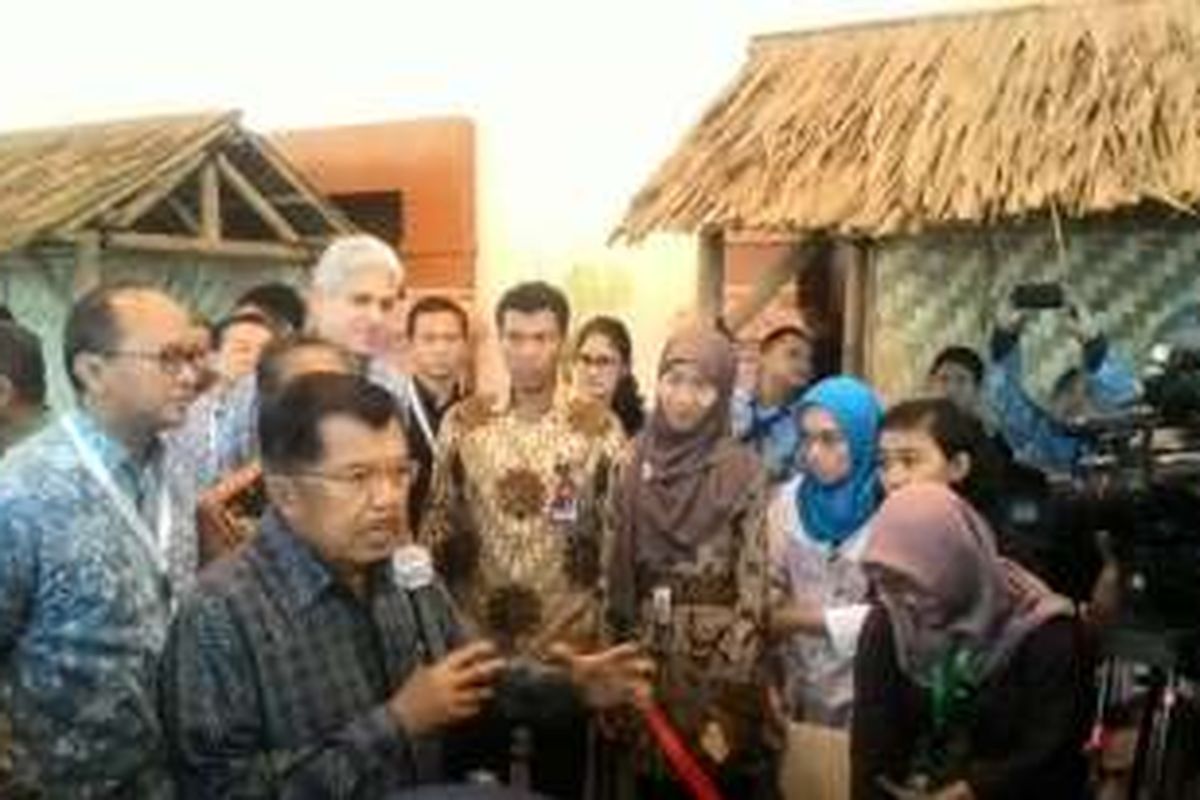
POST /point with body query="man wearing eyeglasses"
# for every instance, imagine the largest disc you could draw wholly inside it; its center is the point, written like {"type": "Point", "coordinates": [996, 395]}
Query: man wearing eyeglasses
{"type": "Point", "coordinates": [312, 664]}
{"type": "Point", "coordinates": [93, 548]}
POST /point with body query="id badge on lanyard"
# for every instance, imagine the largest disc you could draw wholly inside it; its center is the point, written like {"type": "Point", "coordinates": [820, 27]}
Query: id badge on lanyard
{"type": "Point", "coordinates": [155, 542]}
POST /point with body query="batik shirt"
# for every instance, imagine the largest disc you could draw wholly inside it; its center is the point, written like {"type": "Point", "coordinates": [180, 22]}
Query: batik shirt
{"type": "Point", "coordinates": [220, 433]}
{"type": "Point", "coordinates": [84, 606]}
{"type": "Point", "coordinates": [276, 677]}
{"type": "Point", "coordinates": [516, 517]}
{"type": "Point", "coordinates": [703, 617]}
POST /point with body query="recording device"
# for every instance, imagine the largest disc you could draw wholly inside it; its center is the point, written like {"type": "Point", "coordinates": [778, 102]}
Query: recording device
{"type": "Point", "coordinates": [1038, 296]}
{"type": "Point", "coordinates": [412, 570]}
{"type": "Point", "coordinates": [1140, 483]}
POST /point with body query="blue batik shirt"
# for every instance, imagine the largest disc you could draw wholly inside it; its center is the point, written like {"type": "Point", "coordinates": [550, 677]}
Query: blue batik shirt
{"type": "Point", "coordinates": [220, 434]}
{"type": "Point", "coordinates": [1036, 437]}
{"type": "Point", "coordinates": [768, 430]}
{"type": "Point", "coordinates": [84, 607]}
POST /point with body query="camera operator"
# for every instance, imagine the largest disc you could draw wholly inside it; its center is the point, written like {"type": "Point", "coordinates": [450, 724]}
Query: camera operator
{"type": "Point", "coordinates": [1102, 382]}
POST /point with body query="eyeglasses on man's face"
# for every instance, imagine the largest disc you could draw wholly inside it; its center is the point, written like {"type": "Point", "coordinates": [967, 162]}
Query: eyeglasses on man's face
{"type": "Point", "coordinates": [361, 477]}
{"type": "Point", "coordinates": [171, 360]}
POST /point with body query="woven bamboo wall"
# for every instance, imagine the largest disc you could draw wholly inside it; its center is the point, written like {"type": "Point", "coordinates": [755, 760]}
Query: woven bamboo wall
{"type": "Point", "coordinates": [941, 289]}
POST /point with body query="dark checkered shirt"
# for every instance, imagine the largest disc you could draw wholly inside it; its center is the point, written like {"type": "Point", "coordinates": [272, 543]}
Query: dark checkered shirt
{"type": "Point", "coordinates": [275, 679]}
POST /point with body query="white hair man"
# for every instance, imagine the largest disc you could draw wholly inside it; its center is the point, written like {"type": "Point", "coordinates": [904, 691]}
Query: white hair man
{"type": "Point", "coordinates": [356, 285]}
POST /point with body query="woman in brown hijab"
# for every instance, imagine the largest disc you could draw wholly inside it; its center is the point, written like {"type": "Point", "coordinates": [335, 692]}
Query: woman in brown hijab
{"type": "Point", "coordinates": [969, 679]}
{"type": "Point", "coordinates": [687, 569]}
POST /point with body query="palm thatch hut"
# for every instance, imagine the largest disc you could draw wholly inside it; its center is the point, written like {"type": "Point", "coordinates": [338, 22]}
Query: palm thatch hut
{"type": "Point", "coordinates": [951, 157]}
{"type": "Point", "coordinates": [194, 203]}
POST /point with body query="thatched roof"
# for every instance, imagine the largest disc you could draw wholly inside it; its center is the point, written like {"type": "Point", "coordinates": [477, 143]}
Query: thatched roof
{"type": "Point", "coordinates": [896, 128]}
{"type": "Point", "coordinates": [55, 181]}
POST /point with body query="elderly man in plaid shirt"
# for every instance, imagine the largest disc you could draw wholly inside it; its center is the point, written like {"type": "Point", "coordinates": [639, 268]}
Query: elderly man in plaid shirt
{"type": "Point", "coordinates": [312, 663]}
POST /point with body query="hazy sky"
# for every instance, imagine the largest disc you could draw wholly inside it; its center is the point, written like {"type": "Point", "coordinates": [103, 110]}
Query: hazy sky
{"type": "Point", "coordinates": [576, 101]}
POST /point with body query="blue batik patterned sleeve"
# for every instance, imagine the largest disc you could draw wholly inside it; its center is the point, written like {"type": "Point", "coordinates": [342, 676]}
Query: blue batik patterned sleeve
{"type": "Point", "coordinates": [214, 722]}
{"type": "Point", "coordinates": [1110, 381]}
{"type": "Point", "coordinates": [1033, 434]}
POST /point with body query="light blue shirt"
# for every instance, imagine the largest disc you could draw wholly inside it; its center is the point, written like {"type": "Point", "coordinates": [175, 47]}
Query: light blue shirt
{"type": "Point", "coordinates": [768, 430]}
{"type": "Point", "coordinates": [84, 607]}
{"type": "Point", "coordinates": [220, 434]}
{"type": "Point", "coordinates": [1036, 437]}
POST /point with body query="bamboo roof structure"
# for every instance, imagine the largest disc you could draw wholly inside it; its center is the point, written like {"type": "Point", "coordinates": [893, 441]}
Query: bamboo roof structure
{"type": "Point", "coordinates": [889, 129]}
{"type": "Point", "coordinates": [159, 183]}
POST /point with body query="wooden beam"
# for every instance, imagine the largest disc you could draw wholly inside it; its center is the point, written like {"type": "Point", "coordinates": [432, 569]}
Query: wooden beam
{"type": "Point", "coordinates": [710, 277]}
{"type": "Point", "coordinates": [333, 216]}
{"type": "Point", "coordinates": [768, 283]}
{"type": "Point", "coordinates": [246, 190]}
{"type": "Point", "coordinates": [870, 328]}
{"type": "Point", "coordinates": [87, 263]}
{"type": "Point", "coordinates": [164, 186]}
{"type": "Point", "coordinates": [854, 260]}
{"type": "Point", "coordinates": [210, 203]}
{"type": "Point", "coordinates": [222, 248]}
{"type": "Point", "coordinates": [184, 214]}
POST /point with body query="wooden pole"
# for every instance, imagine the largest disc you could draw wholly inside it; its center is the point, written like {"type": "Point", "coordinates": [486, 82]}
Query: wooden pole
{"type": "Point", "coordinates": [870, 328]}
{"type": "Point", "coordinates": [167, 243]}
{"type": "Point", "coordinates": [184, 214]}
{"type": "Point", "coordinates": [159, 191]}
{"type": "Point", "coordinates": [87, 263]}
{"type": "Point", "coordinates": [210, 203]}
{"type": "Point", "coordinates": [710, 278]}
{"type": "Point", "coordinates": [854, 260]}
{"type": "Point", "coordinates": [242, 185]}
{"type": "Point", "coordinates": [768, 283]}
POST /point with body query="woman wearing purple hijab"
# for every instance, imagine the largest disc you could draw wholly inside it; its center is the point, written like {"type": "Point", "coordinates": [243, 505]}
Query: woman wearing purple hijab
{"type": "Point", "coordinates": [687, 571]}
{"type": "Point", "coordinates": [970, 681]}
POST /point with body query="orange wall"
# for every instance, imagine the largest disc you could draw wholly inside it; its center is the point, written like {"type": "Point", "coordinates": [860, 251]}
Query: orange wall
{"type": "Point", "coordinates": [430, 161]}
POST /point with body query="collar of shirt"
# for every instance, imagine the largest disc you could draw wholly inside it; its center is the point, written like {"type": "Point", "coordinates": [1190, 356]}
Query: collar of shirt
{"type": "Point", "coordinates": [132, 476]}
{"type": "Point", "coordinates": [380, 373]}
{"type": "Point", "coordinates": [852, 547]}
{"type": "Point", "coordinates": [429, 401]}
{"type": "Point", "coordinates": [559, 405]}
{"type": "Point", "coordinates": [783, 410]}
{"type": "Point", "coordinates": [305, 576]}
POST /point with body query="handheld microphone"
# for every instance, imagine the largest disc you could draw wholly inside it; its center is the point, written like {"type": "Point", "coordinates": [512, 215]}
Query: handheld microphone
{"type": "Point", "coordinates": [412, 570]}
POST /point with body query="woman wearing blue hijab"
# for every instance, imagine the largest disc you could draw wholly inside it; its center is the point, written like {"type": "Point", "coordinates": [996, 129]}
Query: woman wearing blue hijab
{"type": "Point", "coordinates": [819, 525]}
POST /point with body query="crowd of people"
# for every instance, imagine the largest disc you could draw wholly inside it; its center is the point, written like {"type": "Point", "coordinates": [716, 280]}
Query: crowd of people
{"type": "Point", "coordinates": [271, 557]}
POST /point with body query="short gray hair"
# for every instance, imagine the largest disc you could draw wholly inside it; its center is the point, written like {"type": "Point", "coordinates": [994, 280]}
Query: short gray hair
{"type": "Point", "coordinates": [347, 255]}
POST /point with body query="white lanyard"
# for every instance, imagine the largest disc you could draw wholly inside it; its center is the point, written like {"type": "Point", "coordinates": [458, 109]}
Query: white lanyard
{"type": "Point", "coordinates": [418, 409]}
{"type": "Point", "coordinates": [155, 542]}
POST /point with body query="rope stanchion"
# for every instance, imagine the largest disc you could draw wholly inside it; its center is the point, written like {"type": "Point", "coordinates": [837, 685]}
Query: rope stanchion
{"type": "Point", "coordinates": [681, 761]}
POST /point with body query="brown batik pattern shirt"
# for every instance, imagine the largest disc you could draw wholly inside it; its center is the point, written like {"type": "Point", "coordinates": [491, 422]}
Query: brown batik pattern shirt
{"type": "Point", "coordinates": [709, 636]}
{"type": "Point", "coordinates": [516, 517]}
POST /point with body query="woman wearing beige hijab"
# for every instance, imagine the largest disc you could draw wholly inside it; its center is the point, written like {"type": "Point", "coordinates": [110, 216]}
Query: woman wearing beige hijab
{"type": "Point", "coordinates": [970, 678]}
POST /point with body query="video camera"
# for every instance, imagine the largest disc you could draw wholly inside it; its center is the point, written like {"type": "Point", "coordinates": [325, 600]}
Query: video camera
{"type": "Point", "coordinates": [1140, 484]}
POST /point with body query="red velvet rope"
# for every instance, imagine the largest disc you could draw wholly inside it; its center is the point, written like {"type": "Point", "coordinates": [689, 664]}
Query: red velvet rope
{"type": "Point", "coordinates": [685, 766]}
